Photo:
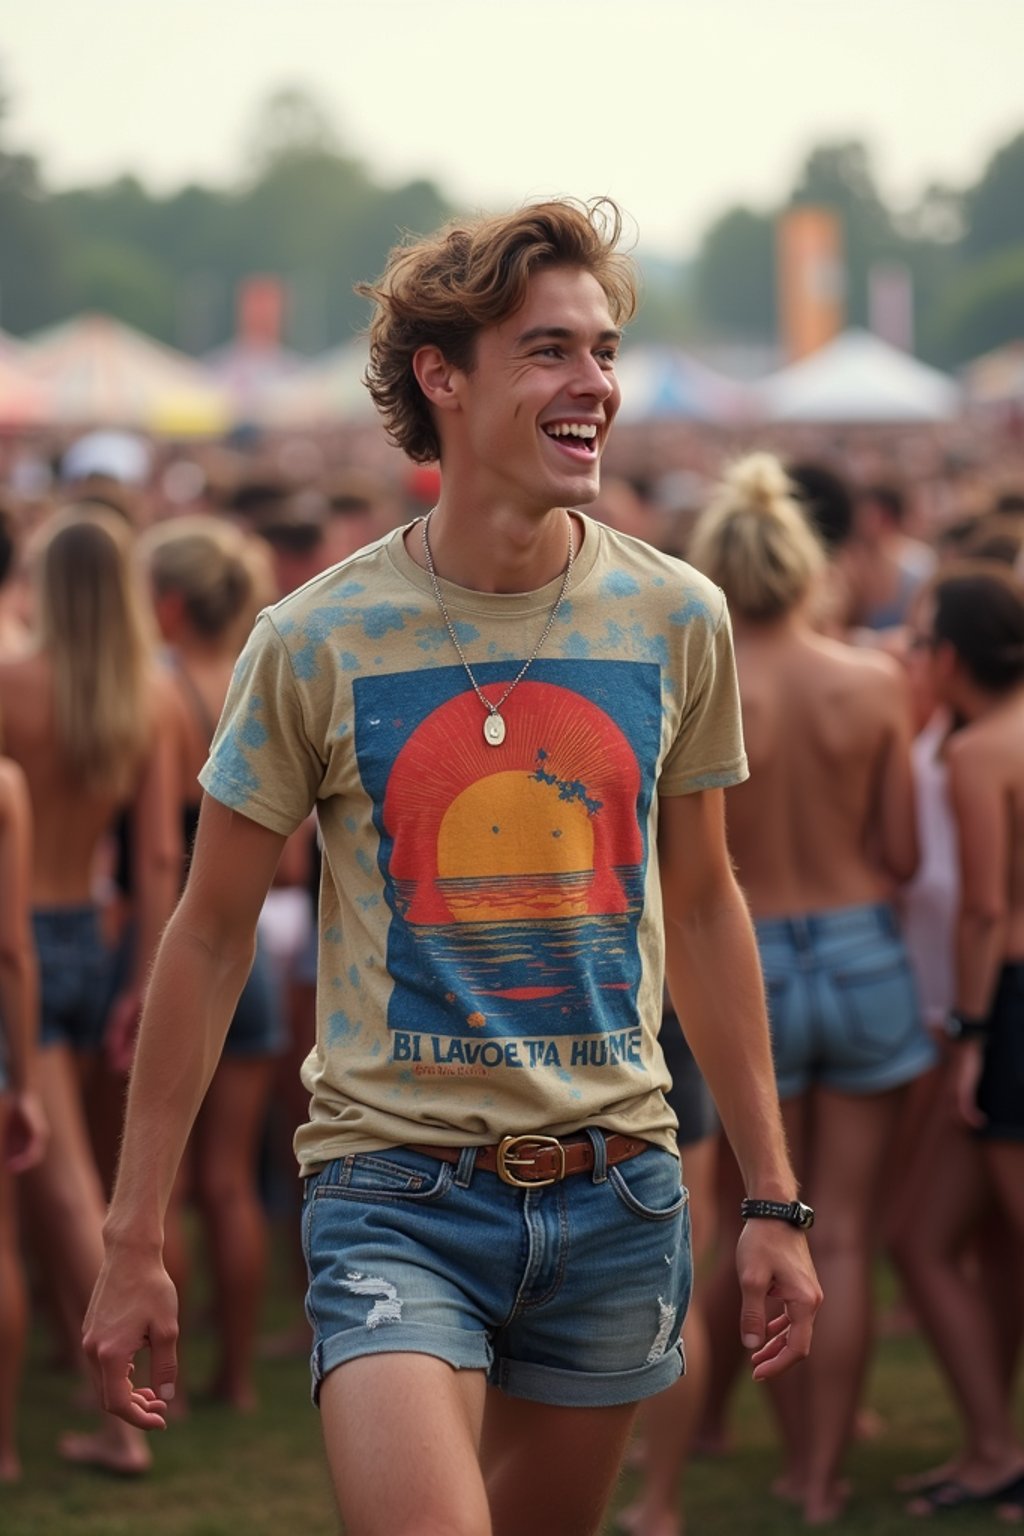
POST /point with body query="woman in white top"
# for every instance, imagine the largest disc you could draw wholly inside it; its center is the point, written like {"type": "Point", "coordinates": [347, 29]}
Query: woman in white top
{"type": "Point", "coordinates": [973, 631]}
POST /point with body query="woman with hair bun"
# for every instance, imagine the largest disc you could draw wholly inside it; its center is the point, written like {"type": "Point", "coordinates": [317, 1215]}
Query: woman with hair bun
{"type": "Point", "coordinates": [209, 580]}
{"type": "Point", "coordinates": [823, 833]}
{"type": "Point", "coordinates": [974, 636]}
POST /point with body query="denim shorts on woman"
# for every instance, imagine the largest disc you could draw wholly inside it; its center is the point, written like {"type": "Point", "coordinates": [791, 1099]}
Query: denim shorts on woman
{"type": "Point", "coordinates": [75, 969]}
{"type": "Point", "coordinates": [571, 1293]}
{"type": "Point", "coordinates": [842, 1003]}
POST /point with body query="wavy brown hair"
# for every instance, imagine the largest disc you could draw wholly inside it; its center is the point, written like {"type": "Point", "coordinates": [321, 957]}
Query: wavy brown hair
{"type": "Point", "coordinates": [443, 290]}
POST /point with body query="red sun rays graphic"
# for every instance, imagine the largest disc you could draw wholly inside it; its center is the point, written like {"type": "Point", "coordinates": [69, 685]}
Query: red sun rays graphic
{"type": "Point", "coordinates": [532, 829]}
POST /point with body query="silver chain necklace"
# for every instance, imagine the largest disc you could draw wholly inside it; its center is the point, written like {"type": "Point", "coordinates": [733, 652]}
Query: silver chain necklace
{"type": "Point", "coordinates": [494, 725]}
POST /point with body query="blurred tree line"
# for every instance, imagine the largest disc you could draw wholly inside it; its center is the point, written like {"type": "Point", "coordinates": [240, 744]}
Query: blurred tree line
{"type": "Point", "coordinates": [307, 212]}
{"type": "Point", "coordinates": [303, 211]}
{"type": "Point", "coordinates": [963, 250]}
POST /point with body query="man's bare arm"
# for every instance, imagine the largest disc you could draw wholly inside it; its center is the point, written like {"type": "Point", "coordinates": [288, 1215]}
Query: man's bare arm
{"type": "Point", "coordinates": [201, 966]}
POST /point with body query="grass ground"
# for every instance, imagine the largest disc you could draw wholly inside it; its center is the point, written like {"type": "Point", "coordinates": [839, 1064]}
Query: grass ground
{"type": "Point", "coordinates": [220, 1474]}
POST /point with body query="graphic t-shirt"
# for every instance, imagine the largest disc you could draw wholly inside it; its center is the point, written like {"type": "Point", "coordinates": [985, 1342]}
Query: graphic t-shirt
{"type": "Point", "coordinates": [491, 943]}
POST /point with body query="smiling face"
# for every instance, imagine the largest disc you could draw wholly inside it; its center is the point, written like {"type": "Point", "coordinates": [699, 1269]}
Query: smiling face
{"type": "Point", "coordinates": [529, 421]}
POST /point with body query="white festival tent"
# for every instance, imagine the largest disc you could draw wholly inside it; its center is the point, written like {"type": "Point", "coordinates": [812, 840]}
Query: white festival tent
{"type": "Point", "coordinates": [664, 383]}
{"type": "Point", "coordinates": [858, 378]}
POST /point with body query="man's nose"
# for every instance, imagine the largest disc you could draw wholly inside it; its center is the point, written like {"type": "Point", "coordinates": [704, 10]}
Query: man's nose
{"type": "Point", "coordinates": [592, 379]}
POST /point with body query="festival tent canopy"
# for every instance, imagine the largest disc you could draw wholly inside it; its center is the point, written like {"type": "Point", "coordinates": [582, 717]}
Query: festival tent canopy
{"type": "Point", "coordinates": [998, 377]}
{"type": "Point", "coordinates": [663, 383]}
{"type": "Point", "coordinates": [24, 401]}
{"type": "Point", "coordinates": [328, 390]}
{"type": "Point", "coordinates": [858, 378]}
{"type": "Point", "coordinates": [250, 370]}
{"type": "Point", "coordinates": [99, 372]}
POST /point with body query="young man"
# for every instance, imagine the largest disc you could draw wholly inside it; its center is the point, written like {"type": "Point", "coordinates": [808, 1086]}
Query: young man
{"type": "Point", "coordinates": [516, 727]}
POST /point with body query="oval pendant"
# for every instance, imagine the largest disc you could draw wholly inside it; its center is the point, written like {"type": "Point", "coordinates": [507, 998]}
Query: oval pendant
{"type": "Point", "coordinates": [494, 730]}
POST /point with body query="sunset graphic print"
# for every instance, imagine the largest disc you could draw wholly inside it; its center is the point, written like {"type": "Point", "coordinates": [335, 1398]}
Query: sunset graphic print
{"type": "Point", "coordinates": [515, 874]}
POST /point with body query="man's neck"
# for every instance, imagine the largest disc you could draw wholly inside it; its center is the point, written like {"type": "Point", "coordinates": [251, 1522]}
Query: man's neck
{"type": "Point", "coordinates": [502, 550]}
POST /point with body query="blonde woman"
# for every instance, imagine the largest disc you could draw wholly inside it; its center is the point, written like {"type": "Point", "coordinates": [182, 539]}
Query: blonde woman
{"type": "Point", "coordinates": [208, 581]}
{"type": "Point", "coordinates": [822, 834]}
{"type": "Point", "coordinates": [22, 1122]}
{"type": "Point", "coordinates": [79, 715]}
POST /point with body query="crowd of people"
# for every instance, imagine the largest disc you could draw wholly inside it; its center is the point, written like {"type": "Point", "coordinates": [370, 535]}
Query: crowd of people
{"type": "Point", "coordinates": [876, 595]}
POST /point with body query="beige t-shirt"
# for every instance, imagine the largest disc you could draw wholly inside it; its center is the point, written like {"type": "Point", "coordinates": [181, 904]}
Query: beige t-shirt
{"type": "Point", "coordinates": [491, 939]}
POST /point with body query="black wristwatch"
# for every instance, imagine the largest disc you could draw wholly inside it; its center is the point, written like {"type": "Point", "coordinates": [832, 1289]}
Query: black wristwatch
{"type": "Point", "coordinates": [959, 1027]}
{"type": "Point", "coordinates": [793, 1211]}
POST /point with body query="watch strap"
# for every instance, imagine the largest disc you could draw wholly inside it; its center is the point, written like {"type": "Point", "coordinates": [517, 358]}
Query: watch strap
{"type": "Point", "coordinates": [793, 1211]}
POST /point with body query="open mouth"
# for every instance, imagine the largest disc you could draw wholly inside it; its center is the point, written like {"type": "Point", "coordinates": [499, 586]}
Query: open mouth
{"type": "Point", "coordinates": [576, 438]}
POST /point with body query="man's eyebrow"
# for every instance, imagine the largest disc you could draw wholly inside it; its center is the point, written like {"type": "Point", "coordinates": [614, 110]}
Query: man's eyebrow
{"type": "Point", "coordinates": [560, 333]}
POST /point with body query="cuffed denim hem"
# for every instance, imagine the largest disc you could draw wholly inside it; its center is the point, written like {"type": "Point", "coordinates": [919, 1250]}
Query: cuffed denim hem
{"type": "Point", "coordinates": [462, 1351]}
{"type": "Point", "coordinates": [579, 1389]}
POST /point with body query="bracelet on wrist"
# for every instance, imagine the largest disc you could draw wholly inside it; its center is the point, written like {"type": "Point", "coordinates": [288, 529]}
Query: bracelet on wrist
{"type": "Point", "coordinates": [792, 1211]}
{"type": "Point", "coordinates": [961, 1026]}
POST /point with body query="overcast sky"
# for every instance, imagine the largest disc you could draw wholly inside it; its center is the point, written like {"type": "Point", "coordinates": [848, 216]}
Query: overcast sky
{"type": "Point", "coordinates": [675, 107]}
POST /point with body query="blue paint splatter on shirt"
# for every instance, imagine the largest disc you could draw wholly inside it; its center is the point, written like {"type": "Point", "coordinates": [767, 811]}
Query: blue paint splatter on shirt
{"type": "Point", "coordinates": [620, 584]}
{"type": "Point", "coordinates": [722, 778]}
{"type": "Point", "coordinates": [381, 617]}
{"type": "Point", "coordinates": [651, 646]}
{"type": "Point", "coordinates": [693, 608]}
{"type": "Point", "coordinates": [340, 1027]}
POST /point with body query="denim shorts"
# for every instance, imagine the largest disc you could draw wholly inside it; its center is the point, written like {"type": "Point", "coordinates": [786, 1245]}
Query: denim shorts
{"type": "Point", "coordinates": [571, 1293]}
{"type": "Point", "coordinates": [75, 970]}
{"type": "Point", "coordinates": [842, 1003]}
{"type": "Point", "coordinates": [258, 1026]}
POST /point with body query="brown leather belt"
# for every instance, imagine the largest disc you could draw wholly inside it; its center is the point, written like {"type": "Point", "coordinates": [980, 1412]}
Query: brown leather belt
{"type": "Point", "coordinates": [527, 1161]}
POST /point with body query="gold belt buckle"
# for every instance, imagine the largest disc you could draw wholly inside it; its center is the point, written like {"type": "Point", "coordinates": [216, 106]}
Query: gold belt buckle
{"type": "Point", "coordinates": [513, 1153]}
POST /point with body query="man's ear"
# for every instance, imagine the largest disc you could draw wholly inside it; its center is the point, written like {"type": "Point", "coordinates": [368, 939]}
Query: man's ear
{"type": "Point", "coordinates": [435, 376]}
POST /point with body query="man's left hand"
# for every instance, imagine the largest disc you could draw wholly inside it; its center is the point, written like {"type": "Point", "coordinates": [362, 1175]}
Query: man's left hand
{"type": "Point", "coordinates": [775, 1271]}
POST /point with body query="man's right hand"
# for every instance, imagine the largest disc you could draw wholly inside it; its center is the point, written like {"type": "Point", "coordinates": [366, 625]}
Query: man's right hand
{"type": "Point", "coordinates": [134, 1307]}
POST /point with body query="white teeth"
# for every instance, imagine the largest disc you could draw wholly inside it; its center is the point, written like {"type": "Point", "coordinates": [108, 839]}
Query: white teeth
{"type": "Point", "coordinates": [586, 430]}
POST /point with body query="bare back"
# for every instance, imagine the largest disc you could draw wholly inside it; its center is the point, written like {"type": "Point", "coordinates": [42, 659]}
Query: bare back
{"type": "Point", "coordinates": [69, 819]}
{"type": "Point", "coordinates": [826, 819]}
